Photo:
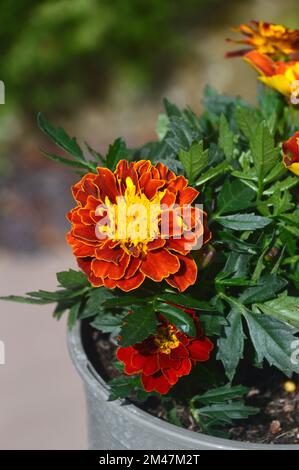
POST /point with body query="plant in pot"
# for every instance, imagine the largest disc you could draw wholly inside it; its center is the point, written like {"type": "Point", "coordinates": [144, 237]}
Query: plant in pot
{"type": "Point", "coordinates": [183, 316]}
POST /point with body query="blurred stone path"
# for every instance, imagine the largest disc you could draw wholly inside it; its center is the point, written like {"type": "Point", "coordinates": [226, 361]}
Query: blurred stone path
{"type": "Point", "coordinates": [41, 398]}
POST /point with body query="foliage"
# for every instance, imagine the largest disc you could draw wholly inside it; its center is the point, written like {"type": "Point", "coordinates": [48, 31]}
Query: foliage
{"type": "Point", "coordinates": [56, 53]}
{"type": "Point", "coordinates": [246, 297]}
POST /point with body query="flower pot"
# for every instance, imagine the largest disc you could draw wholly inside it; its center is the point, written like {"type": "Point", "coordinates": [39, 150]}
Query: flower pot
{"type": "Point", "coordinates": [119, 426]}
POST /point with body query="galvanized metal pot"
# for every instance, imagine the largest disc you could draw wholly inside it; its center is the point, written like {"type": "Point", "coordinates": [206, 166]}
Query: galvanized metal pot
{"type": "Point", "coordinates": [118, 426]}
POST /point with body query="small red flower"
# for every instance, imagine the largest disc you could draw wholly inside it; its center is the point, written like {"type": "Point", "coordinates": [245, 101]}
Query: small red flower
{"type": "Point", "coordinates": [166, 356]}
{"type": "Point", "coordinates": [290, 150]}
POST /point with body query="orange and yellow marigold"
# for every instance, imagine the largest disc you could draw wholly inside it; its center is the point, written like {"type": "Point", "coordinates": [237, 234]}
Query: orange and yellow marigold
{"type": "Point", "coordinates": [103, 236]}
{"type": "Point", "coordinates": [281, 76]}
{"type": "Point", "coordinates": [267, 38]}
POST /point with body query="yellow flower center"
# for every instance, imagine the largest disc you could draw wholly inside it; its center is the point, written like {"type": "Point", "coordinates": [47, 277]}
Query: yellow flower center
{"type": "Point", "coordinates": [166, 339]}
{"type": "Point", "coordinates": [134, 219]}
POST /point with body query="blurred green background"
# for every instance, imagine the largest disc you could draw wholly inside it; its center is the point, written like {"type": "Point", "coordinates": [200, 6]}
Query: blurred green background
{"type": "Point", "coordinates": [100, 68]}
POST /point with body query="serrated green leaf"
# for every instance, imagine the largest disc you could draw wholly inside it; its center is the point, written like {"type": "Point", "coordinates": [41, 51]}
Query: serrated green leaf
{"type": "Point", "coordinates": [264, 153]}
{"type": "Point", "coordinates": [226, 412]}
{"type": "Point", "coordinates": [234, 196]}
{"type": "Point", "coordinates": [226, 138]}
{"type": "Point", "coordinates": [117, 151]}
{"type": "Point", "coordinates": [267, 288]}
{"type": "Point", "coordinates": [60, 138]}
{"type": "Point", "coordinates": [186, 301]}
{"type": "Point", "coordinates": [96, 302]}
{"type": "Point", "coordinates": [162, 126]}
{"type": "Point", "coordinates": [194, 160]}
{"type": "Point", "coordinates": [285, 308]}
{"type": "Point", "coordinates": [122, 386]}
{"type": "Point", "coordinates": [72, 279]}
{"type": "Point", "coordinates": [212, 324]}
{"type": "Point", "coordinates": [247, 120]}
{"type": "Point", "coordinates": [73, 315]}
{"type": "Point", "coordinates": [138, 325]}
{"type": "Point", "coordinates": [108, 323]}
{"type": "Point", "coordinates": [272, 340]}
{"type": "Point", "coordinates": [231, 346]}
{"type": "Point", "coordinates": [213, 173]}
{"type": "Point", "coordinates": [67, 162]}
{"type": "Point", "coordinates": [242, 222]}
{"type": "Point", "coordinates": [26, 300]}
{"type": "Point", "coordinates": [126, 301]}
{"type": "Point", "coordinates": [221, 394]}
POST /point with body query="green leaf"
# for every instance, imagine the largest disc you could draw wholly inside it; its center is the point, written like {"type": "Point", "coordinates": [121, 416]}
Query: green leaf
{"type": "Point", "coordinates": [281, 202]}
{"type": "Point", "coordinates": [96, 302]}
{"type": "Point", "coordinates": [212, 324]}
{"type": "Point", "coordinates": [186, 301]}
{"type": "Point", "coordinates": [194, 160]}
{"type": "Point", "coordinates": [182, 320]}
{"type": "Point", "coordinates": [27, 300]}
{"type": "Point", "coordinates": [221, 394]}
{"type": "Point", "coordinates": [285, 308]}
{"type": "Point", "coordinates": [117, 151]}
{"type": "Point", "coordinates": [231, 346]}
{"type": "Point", "coordinates": [267, 288]}
{"type": "Point", "coordinates": [272, 340]}
{"type": "Point", "coordinates": [57, 295]}
{"type": "Point", "coordinates": [126, 301]}
{"type": "Point", "coordinates": [223, 279]}
{"type": "Point", "coordinates": [264, 153]}
{"type": "Point", "coordinates": [138, 325]}
{"type": "Point", "coordinates": [108, 323]}
{"type": "Point", "coordinates": [247, 120]}
{"type": "Point", "coordinates": [73, 315]}
{"type": "Point", "coordinates": [122, 386]}
{"type": "Point", "coordinates": [67, 162]}
{"type": "Point", "coordinates": [72, 279]}
{"type": "Point", "coordinates": [236, 243]}
{"type": "Point", "coordinates": [242, 222]}
{"type": "Point", "coordinates": [60, 138]}
{"type": "Point", "coordinates": [226, 138]}
{"type": "Point", "coordinates": [226, 412]}
{"type": "Point", "coordinates": [213, 173]}
{"type": "Point", "coordinates": [234, 196]}
{"type": "Point", "coordinates": [283, 185]}
{"type": "Point", "coordinates": [162, 126]}
{"type": "Point", "coordinates": [43, 297]}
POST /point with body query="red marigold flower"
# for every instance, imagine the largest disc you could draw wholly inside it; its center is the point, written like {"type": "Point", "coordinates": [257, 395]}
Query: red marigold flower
{"type": "Point", "coordinates": [103, 236]}
{"type": "Point", "coordinates": [267, 38]}
{"type": "Point", "coordinates": [166, 356]}
{"type": "Point", "coordinates": [290, 150]}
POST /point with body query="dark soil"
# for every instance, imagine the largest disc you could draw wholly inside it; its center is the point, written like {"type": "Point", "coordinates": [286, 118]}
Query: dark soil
{"type": "Point", "coordinates": [277, 423]}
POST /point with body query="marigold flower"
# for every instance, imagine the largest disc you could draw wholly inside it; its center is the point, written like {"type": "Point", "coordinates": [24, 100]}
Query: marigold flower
{"type": "Point", "coordinates": [290, 150]}
{"type": "Point", "coordinates": [103, 236]}
{"type": "Point", "coordinates": [267, 38]}
{"type": "Point", "coordinates": [166, 356]}
{"type": "Point", "coordinates": [281, 76]}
